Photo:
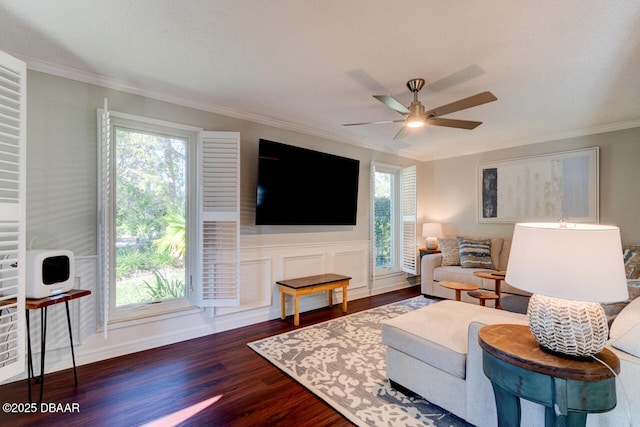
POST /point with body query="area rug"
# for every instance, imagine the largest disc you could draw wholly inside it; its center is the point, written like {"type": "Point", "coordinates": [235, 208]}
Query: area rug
{"type": "Point", "coordinates": [342, 361]}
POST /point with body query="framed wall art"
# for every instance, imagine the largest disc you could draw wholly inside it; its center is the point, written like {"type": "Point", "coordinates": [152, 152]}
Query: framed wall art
{"type": "Point", "coordinates": [541, 188]}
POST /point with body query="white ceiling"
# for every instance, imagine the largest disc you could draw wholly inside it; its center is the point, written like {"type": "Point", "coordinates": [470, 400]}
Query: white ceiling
{"type": "Point", "coordinates": [558, 68]}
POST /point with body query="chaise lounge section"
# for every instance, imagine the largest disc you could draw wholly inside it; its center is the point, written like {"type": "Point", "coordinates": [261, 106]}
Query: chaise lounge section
{"type": "Point", "coordinates": [434, 352]}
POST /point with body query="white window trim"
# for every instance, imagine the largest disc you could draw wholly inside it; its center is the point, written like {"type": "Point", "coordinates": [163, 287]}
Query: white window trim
{"type": "Point", "coordinates": [395, 214]}
{"type": "Point", "coordinates": [106, 210]}
{"type": "Point", "coordinates": [403, 221]}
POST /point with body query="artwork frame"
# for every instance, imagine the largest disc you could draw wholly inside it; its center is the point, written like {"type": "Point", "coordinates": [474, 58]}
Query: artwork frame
{"type": "Point", "coordinates": [541, 188]}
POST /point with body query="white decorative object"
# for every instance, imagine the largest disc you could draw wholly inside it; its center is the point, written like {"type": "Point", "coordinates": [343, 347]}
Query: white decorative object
{"type": "Point", "coordinates": [431, 231]}
{"type": "Point", "coordinates": [570, 269]}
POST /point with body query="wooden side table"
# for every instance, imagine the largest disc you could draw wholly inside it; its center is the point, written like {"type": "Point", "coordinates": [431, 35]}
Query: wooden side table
{"type": "Point", "coordinates": [310, 285]}
{"type": "Point", "coordinates": [569, 388]}
{"type": "Point", "coordinates": [425, 251]}
{"type": "Point", "coordinates": [42, 304]}
{"type": "Point", "coordinates": [498, 276]}
{"type": "Point", "coordinates": [458, 287]}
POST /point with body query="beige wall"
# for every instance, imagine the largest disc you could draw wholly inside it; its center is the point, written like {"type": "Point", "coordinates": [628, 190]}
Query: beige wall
{"type": "Point", "coordinates": [62, 156]}
{"type": "Point", "coordinates": [62, 199]}
{"type": "Point", "coordinates": [448, 188]}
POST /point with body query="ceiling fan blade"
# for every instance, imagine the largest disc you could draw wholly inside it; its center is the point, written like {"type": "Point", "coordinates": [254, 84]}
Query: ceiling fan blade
{"type": "Point", "coordinates": [463, 104]}
{"type": "Point", "coordinates": [392, 103]}
{"type": "Point", "coordinates": [374, 123]}
{"type": "Point", "coordinates": [453, 123]}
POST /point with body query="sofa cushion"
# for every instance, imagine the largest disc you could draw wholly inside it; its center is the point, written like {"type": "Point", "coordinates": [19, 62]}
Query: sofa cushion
{"type": "Point", "coordinates": [435, 335]}
{"type": "Point", "coordinates": [475, 253]}
{"type": "Point", "coordinates": [454, 273]}
{"type": "Point", "coordinates": [631, 255]}
{"type": "Point", "coordinates": [496, 248]}
{"type": "Point", "coordinates": [449, 250]}
{"type": "Point", "coordinates": [634, 288]}
{"type": "Point", "coordinates": [625, 331]}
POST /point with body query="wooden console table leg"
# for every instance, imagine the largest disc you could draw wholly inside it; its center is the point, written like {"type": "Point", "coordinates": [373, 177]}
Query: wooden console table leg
{"type": "Point", "coordinates": [296, 312]}
{"type": "Point", "coordinates": [344, 298]}
{"type": "Point", "coordinates": [283, 309]}
{"type": "Point", "coordinates": [330, 291]}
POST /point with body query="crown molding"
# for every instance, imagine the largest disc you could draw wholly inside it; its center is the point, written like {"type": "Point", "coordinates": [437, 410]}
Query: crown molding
{"type": "Point", "coordinates": [185, 101]}
{"type": "Point", "coordinates": [204, 105]}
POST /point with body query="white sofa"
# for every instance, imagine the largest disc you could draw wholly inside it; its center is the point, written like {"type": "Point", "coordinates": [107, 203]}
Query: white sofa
{"type": "Point", "coordinates": [433, 271]}
{"type": "Point", "coordinates": [434, 352]}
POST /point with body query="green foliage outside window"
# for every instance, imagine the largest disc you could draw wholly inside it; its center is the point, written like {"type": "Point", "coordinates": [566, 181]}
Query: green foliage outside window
{"type": "Point", "coordinates": [383, 231]}
{"type": "Point", "coordinates": [150, 220]}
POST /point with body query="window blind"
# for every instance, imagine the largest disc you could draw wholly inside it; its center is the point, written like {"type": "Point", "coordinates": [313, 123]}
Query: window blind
{"type": "Point", "coordinates": [12, 214]}
{"type": "Point", "coordinates": [220, 219]}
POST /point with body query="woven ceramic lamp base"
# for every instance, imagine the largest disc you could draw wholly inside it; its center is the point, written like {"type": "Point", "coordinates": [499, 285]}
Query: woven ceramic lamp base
{"type": "Point", "coordinates": [574, 328]}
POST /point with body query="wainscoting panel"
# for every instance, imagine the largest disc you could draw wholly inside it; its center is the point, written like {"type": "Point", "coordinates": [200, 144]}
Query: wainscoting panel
{"type": "Point", "coordinates": [303, 265]}
{"type": "Point", "coordinates": [262, 267]}
{"type": "Point", "coordinates": [255, 286]}
{"type": "Point", "coordinates": [353, 264]}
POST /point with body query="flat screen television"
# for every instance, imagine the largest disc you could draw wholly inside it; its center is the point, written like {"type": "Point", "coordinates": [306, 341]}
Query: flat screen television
{"type": "Point", "coordinates": [298, 186]}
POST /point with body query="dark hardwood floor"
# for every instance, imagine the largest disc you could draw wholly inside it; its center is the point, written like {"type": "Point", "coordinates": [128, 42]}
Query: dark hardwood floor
{"type": "Point", "coordinates": [148, 386]}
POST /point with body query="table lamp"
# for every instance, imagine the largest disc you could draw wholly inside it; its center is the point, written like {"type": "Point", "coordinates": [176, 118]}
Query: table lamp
{"type": "Point", "coordinates": [570, 269]}
{"type": "Point", "coordinates": [431, 230]}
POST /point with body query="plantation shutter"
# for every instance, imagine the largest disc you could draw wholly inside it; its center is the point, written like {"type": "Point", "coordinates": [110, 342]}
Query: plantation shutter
{"type": "Point", "coordinates": [105, 211]}
{"type": "Point", "coordinates": [372, 223]}
{"type": "Point", "coordinates": [220, 219]}
{"type": "Point", "coordinates": [408, 206]}
{"type": "Point", "coordinates": [13, 74]}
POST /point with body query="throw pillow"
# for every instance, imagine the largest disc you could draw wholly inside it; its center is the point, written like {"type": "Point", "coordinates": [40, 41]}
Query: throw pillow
{"type": "Point", "coordinates": [634, 288]}
{"type": "Point", "coordinates": [631, 258]}
{"type": "Point", "coordinates": [449, 250]}
{"type": "Point", "coordinates": [625, 331]}
{"type": "Point", "coordinates": [475, 253]}
{"type": "Point", "coordinates": [496, 248]}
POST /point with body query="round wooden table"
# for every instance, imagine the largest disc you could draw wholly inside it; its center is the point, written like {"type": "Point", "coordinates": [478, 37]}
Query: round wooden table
{"type": "Point", "coordinates": [568, 387]}
{"type": "Point", "coordinates": [498, 276]}
{"type": "Point", "coordinates": [483, 296]}
{"type": "Point", "coordinates": [458, 287]}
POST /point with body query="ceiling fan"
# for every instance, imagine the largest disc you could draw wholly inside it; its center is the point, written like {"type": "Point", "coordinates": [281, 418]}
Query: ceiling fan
{"type": "Point", "coordinates": [415, 114]}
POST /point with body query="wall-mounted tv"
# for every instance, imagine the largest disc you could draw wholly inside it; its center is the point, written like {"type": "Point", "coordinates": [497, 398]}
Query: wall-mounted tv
{"type": "Point", "coordinates": [298, 186]}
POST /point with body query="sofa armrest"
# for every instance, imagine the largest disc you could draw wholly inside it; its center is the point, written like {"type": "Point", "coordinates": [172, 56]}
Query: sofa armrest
{"type": "Point", "coordinates": [428, 263]}
{"type": "Point", "coordinates": [481, 408]}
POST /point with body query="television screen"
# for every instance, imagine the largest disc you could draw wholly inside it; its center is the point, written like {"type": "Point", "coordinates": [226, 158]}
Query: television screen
{"type": "Point", "coordinates": [297, 186]}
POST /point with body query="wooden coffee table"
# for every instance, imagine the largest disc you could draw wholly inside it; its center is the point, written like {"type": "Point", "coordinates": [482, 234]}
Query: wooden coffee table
{"type": "Point", "coordinates": [458, 287]}
{"type": "Point", "coordinates": [498, 276]}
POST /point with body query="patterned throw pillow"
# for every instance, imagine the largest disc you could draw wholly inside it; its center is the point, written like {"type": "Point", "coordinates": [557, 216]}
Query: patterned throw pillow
{"type": "Point", "coordinates": [475, 253]}
{"type": "Point", "coordinates": [631, 263]}
{"type": "Point", "coordinates": [449, 250]}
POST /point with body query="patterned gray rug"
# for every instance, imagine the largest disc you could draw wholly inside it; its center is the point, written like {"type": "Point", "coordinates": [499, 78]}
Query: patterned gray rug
{"type": "Point", "coordinates": [342, 361]}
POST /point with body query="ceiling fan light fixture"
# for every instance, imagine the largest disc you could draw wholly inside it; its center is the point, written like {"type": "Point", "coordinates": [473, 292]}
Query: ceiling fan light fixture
{"type": "Point", "coordinates": [415, 122]}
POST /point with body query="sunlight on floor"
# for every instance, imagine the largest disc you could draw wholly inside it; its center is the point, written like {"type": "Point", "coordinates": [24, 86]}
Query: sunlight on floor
{"type": "Point", "coordinates": [184, 414]}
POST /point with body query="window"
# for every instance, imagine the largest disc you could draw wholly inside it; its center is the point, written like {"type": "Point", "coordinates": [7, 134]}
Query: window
{"type": "Point", "coordinates": [150, 203]}
{"type": "Point", "coordinates": [385, 214]}
{"type": "Point", "coordinates": [393, 210]}
{"type": "Point", "coordinates": [169, 208]}
{"type": "Point", "coordinates": [153, 227]}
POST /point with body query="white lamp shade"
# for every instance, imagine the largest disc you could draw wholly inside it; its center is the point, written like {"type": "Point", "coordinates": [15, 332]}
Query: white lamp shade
{"type": "Point", "coordinates": [431, 229]}
{"type": "Point", "coordinates": [581, 262]}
